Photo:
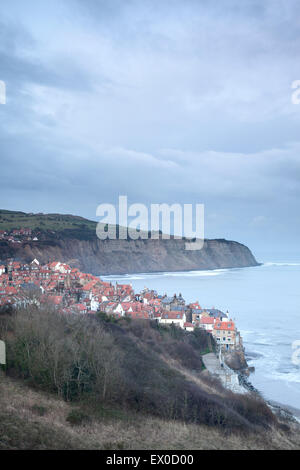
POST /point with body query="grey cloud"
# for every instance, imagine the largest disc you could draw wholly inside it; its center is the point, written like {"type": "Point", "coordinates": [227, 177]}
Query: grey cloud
{"type": "Point", "coordinates": [162, 101]}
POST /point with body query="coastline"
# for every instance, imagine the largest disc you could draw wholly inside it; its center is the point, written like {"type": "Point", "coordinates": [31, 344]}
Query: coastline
{"type": "Point", "coordinates": [176, 271]}
{"type": "Point", "coordinates": [281, 410]}
{"type": "Point", "coordinates": [286, 411]}
{"type": "Point", "coordinates": [278, 406]}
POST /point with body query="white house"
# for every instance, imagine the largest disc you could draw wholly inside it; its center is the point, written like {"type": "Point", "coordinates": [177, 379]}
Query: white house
{"type": "Point", "coordinates": [207, 323]}
{"type": "Point", "coordinates": [35, 262]}
{"type": "Point", "coordinates": [188, 326]}
{"type": "Point", "coordinates": [177, 318]}
{"type": "Point", "coordinates": [64, 268]}
{"type": "Point", "coordinates": [119, 309]}
{"type": "Point", "coordinates": [54, 266]}
{"type": "Point", "coordinates": [94, 304]}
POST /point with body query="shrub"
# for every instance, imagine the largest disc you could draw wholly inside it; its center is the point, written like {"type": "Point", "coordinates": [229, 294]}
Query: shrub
{"type": "Point", "coordinates": [254, 409]}
{"type": "Point", "coordinates": [6, 309]}
{"type": "Point", "coordinates": [92, 360]}
{"type": "Point", "coordinates": [77, 418]}
{"type": "Point", "coordinates": [39, 410]}
{"type": "Point", "coordinates": [104, 317]}
{"type": "Point", "coordinates": [64, 354]}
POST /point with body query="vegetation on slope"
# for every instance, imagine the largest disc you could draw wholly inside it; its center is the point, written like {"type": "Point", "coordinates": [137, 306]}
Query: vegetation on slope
{"type": "Point", "coordinates": [73, 240]}
{"type": "Point", "coordinates": [129, 366]}
{"type": "Point", "coordinates": [66, 226]}
{"type": "Point", "coordinates": [33, 419]}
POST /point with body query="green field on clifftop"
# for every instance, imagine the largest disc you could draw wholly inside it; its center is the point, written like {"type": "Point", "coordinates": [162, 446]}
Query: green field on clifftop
{"type": "Point", "coordinates": [57, 222]}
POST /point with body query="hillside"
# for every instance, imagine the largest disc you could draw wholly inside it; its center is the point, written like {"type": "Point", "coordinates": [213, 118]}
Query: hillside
{"type": "Point", "coordinates": [32, 419]}
{"type": "Point", "coordinates": [51, 225]}
{"type": "Point", "coordinates": [73, 240]}
{"type": "Point", "coordinates": [81, 382]}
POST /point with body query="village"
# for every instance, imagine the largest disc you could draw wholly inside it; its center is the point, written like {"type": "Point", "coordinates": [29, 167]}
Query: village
{"type": "Point", "coordinates": [18, 235]}
{"type": "Point", "coordinates": [73, 292]}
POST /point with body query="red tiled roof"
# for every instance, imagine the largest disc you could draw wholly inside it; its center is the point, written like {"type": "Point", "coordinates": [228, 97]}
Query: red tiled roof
{"type": "Point", "coordinates": [80, 307]}
{"type": "Point", "coordinates": [172, 315]}
{"type": "Point", "coordinates": [89, 285]}
{"type": "Point", "coordinates": [207, 321]}
{"type": "Point", "coordinates": [224, 325]}
{"type": "Point", "coordinates": [55, 299]}
{"type": "Point", "coordinates": [11, 290]}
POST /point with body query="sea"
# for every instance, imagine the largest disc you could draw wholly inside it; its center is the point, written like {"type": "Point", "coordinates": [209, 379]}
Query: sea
{"type": "Point", "coordinates": [264, 301]}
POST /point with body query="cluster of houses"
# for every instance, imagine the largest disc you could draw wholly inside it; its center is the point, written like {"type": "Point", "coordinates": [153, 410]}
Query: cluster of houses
{"type": "Point", "coordinates": [17, 235]}
{"type": "Point", "coordinates": [72, 291]}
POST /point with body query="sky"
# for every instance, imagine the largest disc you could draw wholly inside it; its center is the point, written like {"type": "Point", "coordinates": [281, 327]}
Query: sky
{"type": "Point", "coordinates": [163, 101]}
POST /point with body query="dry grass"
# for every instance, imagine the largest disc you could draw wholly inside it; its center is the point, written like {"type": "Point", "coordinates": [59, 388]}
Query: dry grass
{"type": "Point", "coordinates": [204, 380]}
{"type": "Point", "coordinates": [95, 360]}
{"type": "Point", "coordinates": [34, 420]}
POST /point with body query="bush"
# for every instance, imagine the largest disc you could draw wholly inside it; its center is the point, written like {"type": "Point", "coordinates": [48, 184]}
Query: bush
{"type": "Point", "coordinates": [39, 410]}
{"type": "Point", "coordinates": [6, 309]}
{"type": "Point", "coordinates": [125, 366]}
{"type": "Point", "coordinates": [77, 418]}
{"type": "Point", "coordinates": [104, 317]}
{"type": "Point", "coordinates": [254, 409]}
{"type": "Point", "coordinates": [64, 354]}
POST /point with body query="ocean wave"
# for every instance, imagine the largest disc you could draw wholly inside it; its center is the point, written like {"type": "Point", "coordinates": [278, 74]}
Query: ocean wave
{"type": "Point", "coordinates": [154, 275]}
{"type": "Point", "coordinates": [248, 332]}
{"type": "Point", "coordinates": [280, 264]}
{"type": "Point", "coordinates": [123, 279]}
{"type": "Point", "coordinates": [250, 355]}
{"type": "Point", "coordinates": [260, 339]}
{"type": "Point", "coordinates": [215, 272]}
{"type": "Point", "coordinates": [291, 377]}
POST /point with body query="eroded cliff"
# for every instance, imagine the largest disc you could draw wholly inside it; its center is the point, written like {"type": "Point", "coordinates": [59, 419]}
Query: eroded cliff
{"type": "Point", "coordinates": [129, 256]}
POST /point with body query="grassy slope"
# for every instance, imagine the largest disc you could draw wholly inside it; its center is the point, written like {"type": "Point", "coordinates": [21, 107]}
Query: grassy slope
{"type": "Point", "coordinates": [22, 427]}
{"type": "Point", "coordinates": [64, 225]}
{"type": "Point", "coordinates": [56, 222]}
{"type": "Point", "coordinates": [155, 367]}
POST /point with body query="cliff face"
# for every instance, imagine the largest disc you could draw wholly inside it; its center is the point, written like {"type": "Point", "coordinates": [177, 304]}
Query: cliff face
{"type": "Point", "coordinates": [236, 360]}
{"type": "Point", "coordinates": [132, 256]}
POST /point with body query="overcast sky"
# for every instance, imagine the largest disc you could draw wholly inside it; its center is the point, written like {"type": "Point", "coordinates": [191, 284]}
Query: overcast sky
{"type": "Point", "coordinates": [163, 101]}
